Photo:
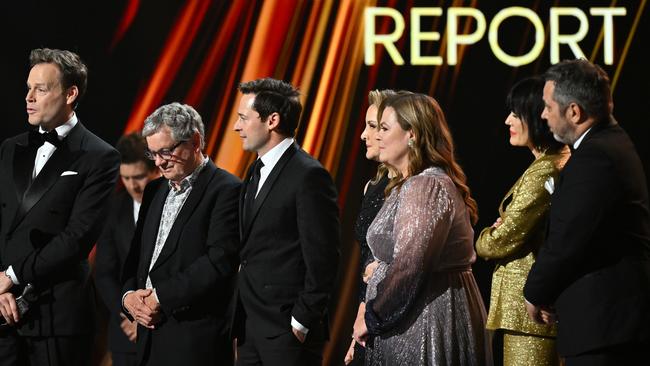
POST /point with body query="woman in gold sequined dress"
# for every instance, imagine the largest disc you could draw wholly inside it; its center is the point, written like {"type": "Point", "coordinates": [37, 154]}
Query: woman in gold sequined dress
{"type": "Point", "coordinates": [517, 234]}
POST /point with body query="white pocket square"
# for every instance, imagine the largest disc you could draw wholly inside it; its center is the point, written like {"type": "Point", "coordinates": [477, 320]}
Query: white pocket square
{"type": "Point", "coordinates": [68, 172]}
{"type": "Point", "coordinates": [550, 185]}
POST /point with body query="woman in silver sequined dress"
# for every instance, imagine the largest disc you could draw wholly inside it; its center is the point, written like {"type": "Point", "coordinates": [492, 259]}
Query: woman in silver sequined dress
{"type": "Point", "coordinates": [423, 306]}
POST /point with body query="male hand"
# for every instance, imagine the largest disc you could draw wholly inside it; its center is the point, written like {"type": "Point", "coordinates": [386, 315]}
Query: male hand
{"type": "Point", "coordinates": [360, 332]}
{"type": "Point", "coordinates": [8, 308]}
{"type": "Point", "coordinates": [300, 335]}
{"type": "Point", "coordinates": [5, 282]}
{"type": "Point", "coordinates": [134, 302]}
{"type": "Point", "coordinates": [130, 328]}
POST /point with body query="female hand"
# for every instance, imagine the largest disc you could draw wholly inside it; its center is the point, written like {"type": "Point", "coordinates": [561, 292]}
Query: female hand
{"type": "Point", "coordinates": [349, 357]}
{"type": "Point", "coordinates": [497, 223]}
{"type": "Point", "coordinates": [360, 333]}
{"type": "Point", "coordinates": [370, 269]}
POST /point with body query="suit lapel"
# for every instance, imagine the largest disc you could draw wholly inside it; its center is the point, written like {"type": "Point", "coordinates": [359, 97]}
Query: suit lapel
{"type": "Point", "coordinates": [23, 165]}
{"type": "Point", "coordinates": [197, 193]}
{"type": "Point", "coordinates": [62, 158]}
{"type": "Point", "coordinates": [242, 197]}
{"type": "Point", "coordinates": [151, 225]}
{"type": "Point", "coordinates": [268, 185]}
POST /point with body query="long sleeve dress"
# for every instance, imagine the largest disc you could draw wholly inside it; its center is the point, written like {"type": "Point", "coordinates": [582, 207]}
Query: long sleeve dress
{"type": "Point", "coordinates": [423, 305]}
{"type": "Point", "coordinates": [514, 244]}
{"type": "Point", "coordinates": [373, 199]}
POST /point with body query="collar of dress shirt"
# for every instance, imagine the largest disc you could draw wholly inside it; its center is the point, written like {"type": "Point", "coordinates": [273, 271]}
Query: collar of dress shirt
{"type": "Point", "coordinates": [190, 179]}
{"type": "Point", "coordinates": [65, 128]}
{"type": "Point", "coordinates": [579, 140]}
{"type": "Point", "coordinates": [272, 156]}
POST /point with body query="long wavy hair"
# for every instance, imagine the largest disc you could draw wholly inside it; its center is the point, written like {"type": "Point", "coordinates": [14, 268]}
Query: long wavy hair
{"type": "Point", "coordinates": [432, 145]}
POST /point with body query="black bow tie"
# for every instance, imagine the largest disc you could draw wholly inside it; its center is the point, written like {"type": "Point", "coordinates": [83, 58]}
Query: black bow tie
{"type": "Point", "coordinates": [37, 139]}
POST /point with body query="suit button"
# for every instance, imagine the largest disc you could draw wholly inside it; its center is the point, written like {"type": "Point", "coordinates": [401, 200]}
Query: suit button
{"type": "Point", "coordinates": [244, 263]}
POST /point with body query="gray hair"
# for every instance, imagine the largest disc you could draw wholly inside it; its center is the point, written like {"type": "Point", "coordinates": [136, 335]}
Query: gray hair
{"type": "Point", "coordinates": [182, 120]}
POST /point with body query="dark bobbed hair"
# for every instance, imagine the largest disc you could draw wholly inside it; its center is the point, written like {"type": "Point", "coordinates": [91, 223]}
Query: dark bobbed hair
{"type": "Point", "coordinates": [584, 83]}
{"type": "Point", "coordinates": [275, 96]}
{"type": "Point", "coordinates": [525, 100]}
{"type": "Point", "coordinates": [132, 148]}
{"type": "Point", "coordinates": [73, 70]}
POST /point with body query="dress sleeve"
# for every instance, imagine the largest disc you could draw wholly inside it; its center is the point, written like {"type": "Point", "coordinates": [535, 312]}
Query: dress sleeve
{"type": "Point", "coordinates": [522, 218]}
{"type": "Point", "coordinates": [422, 223]}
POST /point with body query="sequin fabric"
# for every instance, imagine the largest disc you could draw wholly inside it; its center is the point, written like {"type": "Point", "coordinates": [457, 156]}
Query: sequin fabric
{"type": "Point", "coordinates": [372, 202]}
{"type": "Point", "coordinates": [525, 350]}
{"type": "Point", "coordinates": [424, 307]}
{"type": "Point", "coordinates": [515, 242]}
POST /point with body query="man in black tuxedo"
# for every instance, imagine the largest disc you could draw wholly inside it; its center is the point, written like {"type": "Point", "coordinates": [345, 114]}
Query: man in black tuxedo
{"type": "Point", "coordinates": [289, 231]}
{"type": "Point", "coordinates": [179, 275]}
{"type": "Point", "coordinates": [114, 244]}
{"type": "Point", "coordinates": [56, 181]}
{"type": "Point", "coordinates": [594, 266]}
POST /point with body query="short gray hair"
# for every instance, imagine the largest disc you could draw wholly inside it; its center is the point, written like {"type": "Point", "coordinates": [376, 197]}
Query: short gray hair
{"type": "Point", "coordinates": [182, 120]}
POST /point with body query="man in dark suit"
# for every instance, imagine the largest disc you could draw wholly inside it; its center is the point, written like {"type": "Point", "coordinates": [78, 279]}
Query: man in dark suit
{"type": "Point", "coordinates": [179, 275]}
{"type": "Point", "coordinates": [55, 182]}
{"type": "Point", "coordinates": [289, 231]}
{"type": "Point", "coordinates": [594, 266]}
{"type": "Point", "coordinates": [114, 244]}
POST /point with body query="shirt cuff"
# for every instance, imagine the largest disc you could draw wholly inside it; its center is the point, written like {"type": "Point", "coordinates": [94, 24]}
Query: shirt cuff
{"type": "Point", "coordinates": [10, 272]}
{"type": "Point", "coordinates": [124, 307]}
{"type": "Point", "coordinates": [155, 295]}
{"type": "Point", "coordinates": [300, 327]}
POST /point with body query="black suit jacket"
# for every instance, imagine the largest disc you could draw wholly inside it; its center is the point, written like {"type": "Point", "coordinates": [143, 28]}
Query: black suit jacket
{"type": "Point", "coordinates": [194, 274]}
{"type": "Point", "coordinates": [48, 228]}
{"type": "Point", "coordinates": [112, 249]}
{"type": "Point", "coordinates": [289, 253]}
{"type": "Point", "coordinates": [594, 264]}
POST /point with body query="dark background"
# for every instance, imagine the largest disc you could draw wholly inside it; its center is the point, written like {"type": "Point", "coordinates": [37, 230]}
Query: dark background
{"type": "Point", "coordinates": [472, 93]}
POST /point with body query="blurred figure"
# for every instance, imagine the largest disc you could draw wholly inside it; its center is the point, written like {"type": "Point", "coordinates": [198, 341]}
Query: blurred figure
{"type": "Point", "coordinates": [289, 233]}
{"type": "Point", "coordinates": [115, 242]}
{"type": "Point", "coordinates": [373, 199]}
{"type": "Point", "coordinates": [594, 267]}
{"type": "Point", "coordinates": [179, 275]}
{"type": "Point", "coordinates": [518, 233]}
{"type": "Point", "coordinates": [55, 183]}
{"type": "Point", "coordinates": [423, 306]}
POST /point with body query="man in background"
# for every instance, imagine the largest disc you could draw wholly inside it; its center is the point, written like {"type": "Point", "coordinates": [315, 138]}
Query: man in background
{"type": "Point", "coordinates": [114, 244]}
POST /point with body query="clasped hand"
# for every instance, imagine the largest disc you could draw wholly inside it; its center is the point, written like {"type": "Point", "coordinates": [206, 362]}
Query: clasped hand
{"type": "Point", "coordinates": [143, 307]}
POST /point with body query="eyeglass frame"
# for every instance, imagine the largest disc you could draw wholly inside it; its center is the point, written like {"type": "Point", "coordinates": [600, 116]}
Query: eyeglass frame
{"type": "Point", "coordinates": [164, 154]}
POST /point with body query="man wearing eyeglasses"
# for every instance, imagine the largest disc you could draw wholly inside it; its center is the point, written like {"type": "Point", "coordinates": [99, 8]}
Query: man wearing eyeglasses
{"type": "Point", "coordinates": [178, 277]}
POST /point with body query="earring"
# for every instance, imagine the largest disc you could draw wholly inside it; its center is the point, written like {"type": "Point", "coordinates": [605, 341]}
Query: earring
{"type": "Point", "coordinates": [411, 143]}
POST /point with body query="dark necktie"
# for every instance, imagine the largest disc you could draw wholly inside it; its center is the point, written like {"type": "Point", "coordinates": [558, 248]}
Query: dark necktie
{"type": "Point", "coordinates": [251, 190]}
{"type": "Point", "coordinates": [37, 139]}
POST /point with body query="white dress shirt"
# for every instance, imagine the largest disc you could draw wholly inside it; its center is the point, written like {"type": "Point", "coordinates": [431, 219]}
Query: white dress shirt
{"type": "Point", "coordinates": [43, 154]}
{"type": "Point", "coordinates": [270, 159]}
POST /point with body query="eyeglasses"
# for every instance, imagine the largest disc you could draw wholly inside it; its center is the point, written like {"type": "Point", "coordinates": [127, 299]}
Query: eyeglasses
{"type": "Point", "coordinates": [165, 154]}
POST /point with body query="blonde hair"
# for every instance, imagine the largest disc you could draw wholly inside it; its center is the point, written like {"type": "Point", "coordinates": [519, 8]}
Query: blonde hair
{"type": "Point", "coordinates": [433, 144]}
{"type": "Point", "coordinates": [375, 97]}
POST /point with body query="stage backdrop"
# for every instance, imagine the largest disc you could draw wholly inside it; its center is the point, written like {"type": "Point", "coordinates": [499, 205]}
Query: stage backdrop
{"type": "Point", "coordinates": [466, 54]}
